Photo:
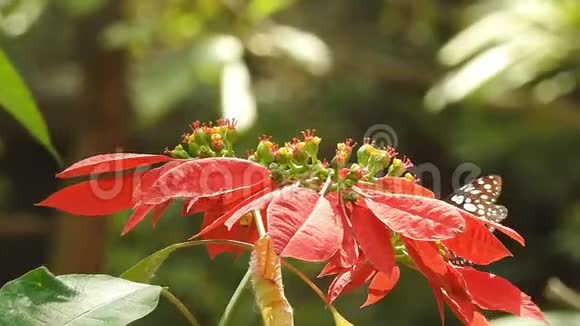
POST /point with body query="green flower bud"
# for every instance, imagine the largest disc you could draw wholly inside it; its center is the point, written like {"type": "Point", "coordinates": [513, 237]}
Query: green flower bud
{"type": "Point", "coordinates": [364, 154]}
{"type": "Point", "coordinates": [264, 151]}
{"type": "Point", "coordinates": [284, 155]}
{"type": "Point", "coordinates": [178, 152]}
{"type": "Point", "coordinates": [396, 169]}
{"type": "Point", "coordinates": [205, 151]}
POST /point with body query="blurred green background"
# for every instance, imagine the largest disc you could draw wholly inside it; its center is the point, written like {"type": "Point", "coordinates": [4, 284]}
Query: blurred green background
{"type": "Point", "coordinates": [460, 86]}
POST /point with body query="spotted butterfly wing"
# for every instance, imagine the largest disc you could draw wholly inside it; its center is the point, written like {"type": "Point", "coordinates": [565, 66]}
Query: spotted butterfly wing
{"type": "Point", "coordinates": [479, 198]}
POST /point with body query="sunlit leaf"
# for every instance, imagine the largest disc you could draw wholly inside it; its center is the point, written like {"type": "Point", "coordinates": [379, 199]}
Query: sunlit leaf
{"type": "Point", "coordinates": [39, 298]}
{"type": "Point", "coordinates": [238, 100]}
{"type": "Point", "coordinates": [17, 100]}
{"type": "Point", "coordinates": [338, 319]}
{"type": "Point", "coordinates": [17, 16]}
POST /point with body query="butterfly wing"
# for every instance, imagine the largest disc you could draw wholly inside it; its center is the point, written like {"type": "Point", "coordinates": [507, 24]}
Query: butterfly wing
{"type": "Point", "coordinates": [479, 197]}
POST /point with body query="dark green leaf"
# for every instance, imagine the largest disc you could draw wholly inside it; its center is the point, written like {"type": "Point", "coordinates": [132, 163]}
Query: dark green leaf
{"type": "Point", "coordinates": [16, 99]}
{"type": "Point", "coordinates": [40, 298]}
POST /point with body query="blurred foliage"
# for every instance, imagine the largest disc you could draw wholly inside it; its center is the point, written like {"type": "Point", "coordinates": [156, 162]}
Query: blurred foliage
{"type": "Point", "coordinates": [505, 70]}
{"type": "Point", "coordinates": [529, 44]}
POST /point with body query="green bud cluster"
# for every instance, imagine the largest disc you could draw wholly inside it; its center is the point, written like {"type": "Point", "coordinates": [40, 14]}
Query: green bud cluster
{"type": "Point", "coordinates": [206, 140]}
{"type": "Point", "coordinates": [297, 161]}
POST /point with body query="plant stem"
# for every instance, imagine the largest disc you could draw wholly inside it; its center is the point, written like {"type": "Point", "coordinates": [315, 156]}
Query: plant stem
{"type": "Point", "coordinates": [227, 315]}
{"type": "Point", "coordinates": [327, 183]}
{"type": "Point", "coordinates": [228, 312]}
{"type": "Point", "coordinates": [305, 279]}
{"type": "Point", "coordinates": [193, 243]}
{"type": "Point", "coordinates": [259, 223]}
{"type": "Point", "coordinates": [180, 306]}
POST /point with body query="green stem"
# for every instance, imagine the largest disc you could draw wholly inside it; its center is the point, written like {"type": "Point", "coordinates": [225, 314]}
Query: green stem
{"type": "Point", "coordinates": [227, 315]}
{"type": "Point", "coordinates": [259, 223]}
{"type": "Point", "coordinates": [180, 306]}
{"type": "Point", "coordinates": [327, 183]}
{"type": "Point", "coordinates": [228, 312]}
{"type": "Point", "coordinates": [305, 279]}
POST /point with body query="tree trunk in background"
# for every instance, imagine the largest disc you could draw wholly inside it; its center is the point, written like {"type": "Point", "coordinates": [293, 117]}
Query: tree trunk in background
{"type": "Point", "coordinates": [105, 107]}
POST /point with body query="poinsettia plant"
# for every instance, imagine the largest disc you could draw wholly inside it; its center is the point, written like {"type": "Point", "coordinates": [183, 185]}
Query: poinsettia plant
{"type": "Point", "coordinates": [283, 201]}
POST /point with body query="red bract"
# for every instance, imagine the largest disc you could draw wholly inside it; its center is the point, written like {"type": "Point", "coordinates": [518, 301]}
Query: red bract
{"type": "Point", "coordinates": [381, 215]}
{"type": "Point", "coordinates": [364, 227]}
{"type": "Point", "coordinates": [466, 290]}
{"type": "Point", "coordinates": [303, 225]}
{"type": "Point", "coordinates": [347, 254]}
{"type": "Point", "coordinates": [397, 185]}
{"type": "Point", "coordinates": [416, 217]}
{"type": "Point", "coordinates": [219, 182]}
{"type": "Point", "coordinates": [98, 196]}
{"type": "Point", "coordinates": [206, 178]}
{"type": "Point", "coordinates": [111, 163]}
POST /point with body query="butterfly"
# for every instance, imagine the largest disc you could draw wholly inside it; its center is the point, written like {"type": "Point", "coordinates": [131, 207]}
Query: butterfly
{"type": "Point", "coordinates": [479, 197]}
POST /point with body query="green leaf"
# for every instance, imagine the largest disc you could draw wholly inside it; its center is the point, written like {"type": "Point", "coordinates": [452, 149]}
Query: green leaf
{"type": "Point", "coordinates": [144, 270]}
{"type": "Point", "coordinates": [40, 298]}
{"type": "Point", "coordinates": [338, 319]}
{"type": "Point", "coordinates": [16, 99]}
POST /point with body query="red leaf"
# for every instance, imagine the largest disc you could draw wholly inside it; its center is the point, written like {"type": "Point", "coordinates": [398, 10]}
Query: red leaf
{"type": "Point", "coordinates": [157, 211]}
{"type": "Point", "coordinates": [331, 268]}
{"type": "Point", "coordinates": [465, 311]}
{"type": "Point", "coordinates": [303, 225]}
{"type": "Point", "coordinates": [240, 209]}
{"type": "Point", "coordinates": [492, 292]}
{"type": "Point", "coordinates": [111, 163]}
{"type": "Point", "coordinates": [373, 238]}
{"type": "Point", "coordinates": [398, 185]}
{"type": "Point", "coordinates": [141, 211]}
{"type": "Point", "coordinates": [477, 244]}
{"type": "Point", "coordinates": [207, 177]}
{"type": "Point", "coordinates": [358, 275]}
{"type": "Point", "coordinates": [381, 285]}
{"type": "Point", "coordinates": [500, 227]}
{"type": "Point", "coordinates": [245, 233]}
{"type": "Point", "coordinates": [416, 217]}
{"type": "Point", "coordinates": [439, 301]}
{"type": "Point", "coordinates": [347, 254]}
{"type": "Point", "coordinates": [138, 215]}
{"type": "Point", "coordinates": [427, 258]}
{"type": "Point", "coordinates": [150, 177]}
{"type": "Point", "coordinates": [100, 196]}
{"type": "Point", "coordinates": [222, 202]}
{"type": "Point", "coordinates": [258, 202]}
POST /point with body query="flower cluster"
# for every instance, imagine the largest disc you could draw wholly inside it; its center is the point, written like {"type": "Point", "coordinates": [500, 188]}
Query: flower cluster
{"type": "Point", "coordinates": [363, 226]}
